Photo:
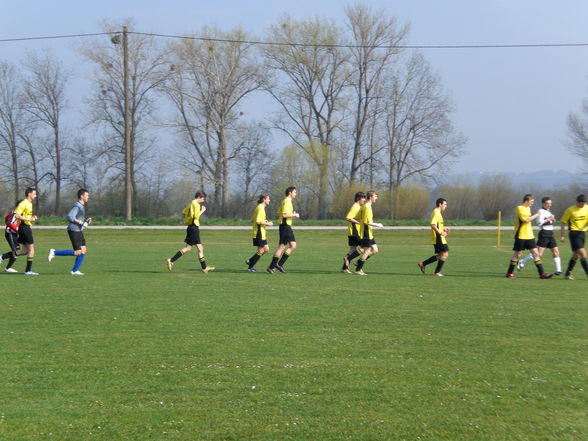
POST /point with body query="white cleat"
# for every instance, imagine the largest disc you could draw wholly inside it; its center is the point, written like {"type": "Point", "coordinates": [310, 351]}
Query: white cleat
{"type": "Point", "coordinates": [31, 273]}
{"type": "Point", "coordinates": [51, 255]}
{"type": "Point", "coordinates": [76, 273]}
{"type": "Point", "coordinates": [10, 270]}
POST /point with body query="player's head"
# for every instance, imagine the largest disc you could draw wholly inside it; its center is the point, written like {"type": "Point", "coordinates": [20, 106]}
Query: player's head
{"type": "Point", "coordinates": [291, 191]}
{"type": "Point", "coordinates": [580, 200]}
{"type": "Point", "coordinates": [439, 202]}
{"type": "Point", "coordinates": [359, 196]}
{"type": "Point", "coordinates": [31, 193]}
{"type": "Point", "coordinates": [372, 196]}
{"type": "Point", "coordinates": [263, 198]}
{"type": "Point", "coordinates": [546, 202]}
{"type": "Point", "coordinates": [81, 192]}
{"type": "Point", "coordinates": [528, 199]}
{"type": "Point", "coordinates": [200, 195]}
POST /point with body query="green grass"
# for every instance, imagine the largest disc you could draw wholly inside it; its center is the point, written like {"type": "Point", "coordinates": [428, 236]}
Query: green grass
{"type": "Point", "coordinates": [133, 352]}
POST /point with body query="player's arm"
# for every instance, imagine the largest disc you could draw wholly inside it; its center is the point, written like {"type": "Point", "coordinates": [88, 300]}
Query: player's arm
{"type": "Point", "coordinates": [18, 213]}
{"type": "Point", "coordinates": [72, 216]}
{"type": "Point", "coordinates": [375, 224]}
{"type": "Point", "coordinates": [438, 231]}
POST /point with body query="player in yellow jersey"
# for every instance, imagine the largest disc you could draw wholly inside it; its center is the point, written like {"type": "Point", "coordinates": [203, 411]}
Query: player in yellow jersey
{"type": "Point", "coordinates": [260, 222]}
{"type": "Point", "coordinates": [524, 238]}
{"type": "Point", "coordinates": [24, 214]}
{"type": "Point", "coordinates": [438, 239]}
{"type": "Point", "coordinates": [576, 217]}
{"type": "Point", "coordinates": [192, 214]}
{"type": "Point", "coordinates": [287, 240]}
{"type": "Point", "coordinates": [353, 239]}
{"type": "Point", "coordinates": [368, 243]}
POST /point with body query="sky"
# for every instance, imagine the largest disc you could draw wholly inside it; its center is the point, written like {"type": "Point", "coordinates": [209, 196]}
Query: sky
{"type": "Point", "coordinates": [511, 103]}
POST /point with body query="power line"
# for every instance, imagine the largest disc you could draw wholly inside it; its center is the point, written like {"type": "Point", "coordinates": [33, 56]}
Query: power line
{"type": "Point", "coordinates": [334, 46]}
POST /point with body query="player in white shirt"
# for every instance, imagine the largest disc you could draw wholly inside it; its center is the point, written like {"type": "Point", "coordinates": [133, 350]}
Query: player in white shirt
{"type": "Point", "coordinates": [545, 222]}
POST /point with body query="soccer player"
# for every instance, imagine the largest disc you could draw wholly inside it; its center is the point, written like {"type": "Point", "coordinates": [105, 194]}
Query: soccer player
{"type": "Point", "coordinates": [192, 214]}
{"type": "Point", "coordinates": [524, 238]}
{"type": "Point", "coordinates": [76, 222]}
{"type": "Point", "coordinates": [11, 235]}
{"type": "Point", "coordinates": [287, 240]}
{"type": "Point", "coordinates": [366, 219]}
{"type": "Point", "coordinates": [260, 222]}
{"type": "Point", "coordinates": [576, 217]}
{"type": "Point", "coordinates": [545, 222]}
{"type": "Point", "coordinates": [24, 213]}
{"type": "Point", "coordinates": [438, 239]}
{"type": "Point", "coordinates": [353, 239]}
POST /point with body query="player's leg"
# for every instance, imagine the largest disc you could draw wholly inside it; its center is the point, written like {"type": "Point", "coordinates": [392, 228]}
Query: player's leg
{"type": "Point", "coordinates": [441, 258]}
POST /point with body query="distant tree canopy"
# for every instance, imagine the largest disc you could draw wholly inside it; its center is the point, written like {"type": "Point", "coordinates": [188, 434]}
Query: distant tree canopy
{"type": "Point", "coordinates": [350, 106]}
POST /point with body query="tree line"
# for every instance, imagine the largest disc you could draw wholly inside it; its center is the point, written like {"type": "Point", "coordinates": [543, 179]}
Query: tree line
{"type": "Point", "coordinates": [350, 107]}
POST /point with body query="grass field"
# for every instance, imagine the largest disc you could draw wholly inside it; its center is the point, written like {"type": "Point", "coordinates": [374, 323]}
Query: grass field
{"type": "Point", "coordinates": [133, 352]}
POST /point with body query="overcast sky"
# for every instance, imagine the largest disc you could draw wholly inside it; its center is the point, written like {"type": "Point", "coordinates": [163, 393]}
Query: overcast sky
{"type": "Point", "coordinates": [511, 103]}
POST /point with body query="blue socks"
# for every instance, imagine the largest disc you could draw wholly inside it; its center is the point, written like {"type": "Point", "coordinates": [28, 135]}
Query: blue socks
{"type": "Point", "coordinates": [78, 262]}
{"type": "Point", "coordinates": [64, 253]}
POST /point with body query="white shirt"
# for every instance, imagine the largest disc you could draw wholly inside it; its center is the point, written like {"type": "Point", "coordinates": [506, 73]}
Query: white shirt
{"type": "Point", "coordinates": [544, 214]}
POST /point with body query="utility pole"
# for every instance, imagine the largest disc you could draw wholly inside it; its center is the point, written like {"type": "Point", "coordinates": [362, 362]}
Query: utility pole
{"type": "Point", "coordinates": [128, 144]}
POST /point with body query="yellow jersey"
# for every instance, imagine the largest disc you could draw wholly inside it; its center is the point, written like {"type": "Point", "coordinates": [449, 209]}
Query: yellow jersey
{"type": "Point", "coordinates": [576, 218]}
{"type": "Point", "coordinates": [353, 213]}
{"type": "Point", "coordinates": [192, 213]}
{"type": "Point", "coordinates": [286, 207]}
{"type": "Point", "coordinates": [259, 216]}
{"type": "Point", "coordinates": [523, 230]}
{"type": "Point", "coordinates": [437, 220]}
{"type": "Point", "coordinates": [366, 215]}
{"type": "Point", "coordinates": [25, 209]}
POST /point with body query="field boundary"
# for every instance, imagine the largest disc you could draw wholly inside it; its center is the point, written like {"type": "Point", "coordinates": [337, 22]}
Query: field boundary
{"type": "Point", "coordinates": [247, 227]}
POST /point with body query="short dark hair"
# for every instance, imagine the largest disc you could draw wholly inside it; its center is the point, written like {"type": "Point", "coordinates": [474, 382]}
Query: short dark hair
{"type": "Point", "coordinates": [370, 193]}
{"type": "Point", "coordinates": [527, 197]}
{"type": "Point", "coordinates": [290, 190]}
{"type": "Point", "coordinates": [29, 190]}
{"type": "Point", "coordinates": [81, 191]}
{"type": "Point", "coordinates": [581, 198]}
{"type": "Point", "coordinates": [440, 201]}
{"type": "Point", "coordinates": [359, 195]}
{"type": "Point", "coordinates": [545, 199]}
{"type": "Point", "coordinates": [262, 197]}
{"type": "Point", "coordinates": [200, 194]}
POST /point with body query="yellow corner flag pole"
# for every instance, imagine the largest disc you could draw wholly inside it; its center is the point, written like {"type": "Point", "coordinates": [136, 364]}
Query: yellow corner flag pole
{"type": "Point", "coordinates": [499, 223]}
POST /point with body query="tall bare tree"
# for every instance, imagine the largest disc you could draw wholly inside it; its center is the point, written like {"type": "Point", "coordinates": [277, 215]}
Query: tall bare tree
{"type": "Point", "coordinates": [420, 138]}
{"type": "Point", "coordinates": [211, 78]}
{"type": "Point", "coordinates": [148, 68]}
{"type": "Point", "coordinates": [375, 37]}
{"type": "Point", "coordinates": [45, 91]}
{"type": "Point", "coordinates": [578, 132]}
{"type": "Point", "coordinates": [311, 78]}
{"type": "Point", "coordinates": [11, 118]}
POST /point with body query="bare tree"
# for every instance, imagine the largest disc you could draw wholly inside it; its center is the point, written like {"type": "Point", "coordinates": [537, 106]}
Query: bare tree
{"type": "Point", "coordinates": [420, 138]}
{"type": "Point", "coordinates": [11, 117]}
{"type": "Point", "coordinates": [578, 132]}
{"type": "Point", "coordinates": [253, 163]}
{"type": "Point", "coordinates": [312, 75]}
{"type": "Point", "coordinates": [210, 80]}
{"type": "Point", "coordinates": [374, 45]}
{"type": "Point", "coordinates": [45, 91]}
{"type": "Point", "coordinates": [148, 69]}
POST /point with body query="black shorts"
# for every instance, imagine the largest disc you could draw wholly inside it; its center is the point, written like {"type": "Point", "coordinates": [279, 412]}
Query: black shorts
{"type": "Point", "coordinates": [367, 242]}
{"type": "Point", "coordinates": [441, 248]}
{"type": "Point", "coordinates": [12, 239]}
{"type": "Point", "coordinates": [524, 244]}
{"type": "Point", "coordinates": [259, 243]}
{"type": "Point", "coordinates": [192, 235]}
{"type": "Point", "coordinates": [25, 234]}
{"type": "Point", "coordinates": [286, 234]}
{"type": "Point", "coordinates": [546, 239]}
{"type": "Point", "coordinates": [354, 241]}
{"type": "Point", "coordinates": [577, 240]}
{"type": "Point", "coordinates": [77, 239]}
